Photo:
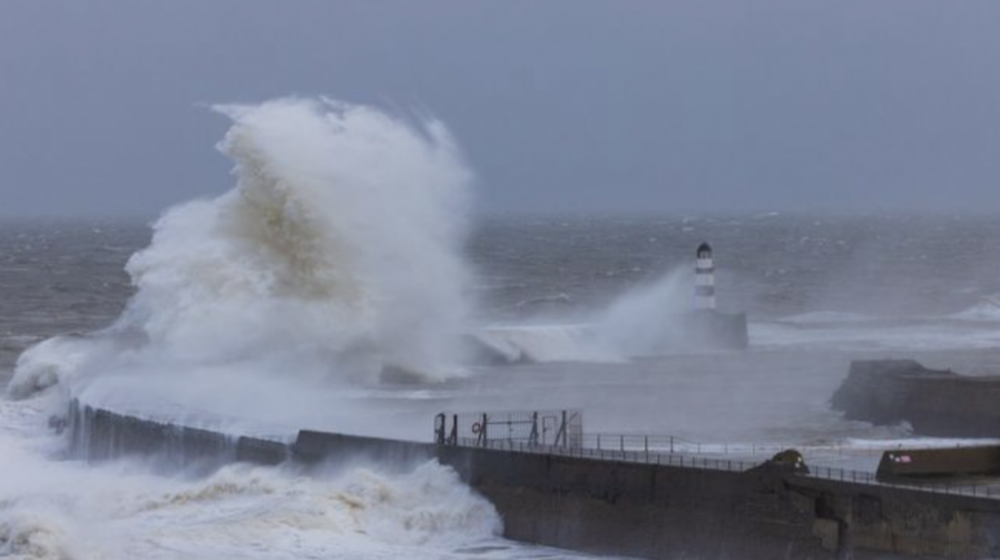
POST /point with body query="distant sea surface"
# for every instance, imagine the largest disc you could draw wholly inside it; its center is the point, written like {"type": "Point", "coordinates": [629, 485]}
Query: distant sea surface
{"type": "Point", "coordinates": [67, 275]}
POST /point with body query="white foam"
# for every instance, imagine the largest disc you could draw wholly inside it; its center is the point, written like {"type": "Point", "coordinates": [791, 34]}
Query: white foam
{"type": "Point", "coordinates": [59, 509]}
{"type": "Point", "coordinates": [547, 343]}
{"type": "Point", "coordinates": [48, 363]}
{"type": "Point", "coordinates": [987, 310]}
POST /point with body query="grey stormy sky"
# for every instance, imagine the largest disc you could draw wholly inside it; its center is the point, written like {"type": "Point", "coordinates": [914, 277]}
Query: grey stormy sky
{"type": "Point", "coordinates": [561, 106]}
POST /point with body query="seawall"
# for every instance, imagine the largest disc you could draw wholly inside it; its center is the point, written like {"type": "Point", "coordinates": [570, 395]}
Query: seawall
{"type": "Point", "coordinates": [618, 507]}
{"type": "Point", "coordinates": [935, 402]}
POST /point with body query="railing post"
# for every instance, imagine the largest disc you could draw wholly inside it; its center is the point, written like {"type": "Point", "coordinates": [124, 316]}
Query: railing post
{"type": "Point", "coordinates": [671, 444]}
{"type": "Point", "coordinates": [564, 430]}
{"type": "Point", "coordinates": [439, 428]}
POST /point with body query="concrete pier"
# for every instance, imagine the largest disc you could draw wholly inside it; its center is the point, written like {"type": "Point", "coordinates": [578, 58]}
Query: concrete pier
{"type": "Point", "coordinates": [935, 402]}
{"type": "Point", "coordinates": [638, 504]}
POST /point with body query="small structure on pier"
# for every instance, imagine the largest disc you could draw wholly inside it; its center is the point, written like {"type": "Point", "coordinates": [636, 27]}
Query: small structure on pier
{"type": "Point", "coordinates": [942, 464]}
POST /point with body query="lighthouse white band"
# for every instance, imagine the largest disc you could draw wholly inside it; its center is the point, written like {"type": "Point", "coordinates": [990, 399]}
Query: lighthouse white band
{"type": "Point", "coordinates": [704, 281]}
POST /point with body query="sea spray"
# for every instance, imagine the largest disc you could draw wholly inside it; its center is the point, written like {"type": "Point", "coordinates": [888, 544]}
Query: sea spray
{"type": "Point", "coordinates": [63, 509]}
{"type": "Point", "coordinates": [649, 319]}
{"type": "Point", "coordinates": [338, 253]}
{"type": "Point", "coordinates": [343, 235]}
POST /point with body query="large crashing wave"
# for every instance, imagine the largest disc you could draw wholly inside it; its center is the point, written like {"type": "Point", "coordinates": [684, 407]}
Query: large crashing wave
{"type": "Point", "coordinates": [337, 253]}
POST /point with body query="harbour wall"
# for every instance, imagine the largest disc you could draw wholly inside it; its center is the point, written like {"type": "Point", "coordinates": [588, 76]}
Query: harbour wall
{"type": "Point", "coordinates": [936, 403]}
{"type": "Point", "coordinates": [614, 507]}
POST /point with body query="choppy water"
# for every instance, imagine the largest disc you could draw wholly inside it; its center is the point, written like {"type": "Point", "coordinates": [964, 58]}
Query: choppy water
{"type": "Point", "coordinates": [820, 292]}
{"type": "Point", "coordinates": [771, 266]}
{"type": "Point", "coordinates": [60, 276]}
{"type": "Point", "coordinates": [63, 275]}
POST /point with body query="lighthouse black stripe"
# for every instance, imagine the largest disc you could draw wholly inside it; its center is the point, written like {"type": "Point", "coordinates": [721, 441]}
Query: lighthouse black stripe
{"type": "Point", "coordinates": [704, 290]}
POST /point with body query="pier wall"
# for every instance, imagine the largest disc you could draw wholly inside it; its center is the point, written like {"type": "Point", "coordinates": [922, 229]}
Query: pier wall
{"type": "Point", "coordinates": [616, 507]}
{"type": "Point", "coordinates": [936, 403]}
{"type": "Point", "coordinates": [96, 434]}
{"type": "Point", "coordinates": [642, 510]}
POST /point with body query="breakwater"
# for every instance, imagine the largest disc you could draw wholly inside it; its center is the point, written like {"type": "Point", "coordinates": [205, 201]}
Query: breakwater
{"type": "Point", "coordinates": [937, 403]}
{"type": "Point", "coordinates": [641, 504]}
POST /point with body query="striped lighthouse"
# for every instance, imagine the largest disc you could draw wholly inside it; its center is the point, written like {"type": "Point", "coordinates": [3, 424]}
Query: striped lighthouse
{"type": "Point", "coordinates": [704, 279]}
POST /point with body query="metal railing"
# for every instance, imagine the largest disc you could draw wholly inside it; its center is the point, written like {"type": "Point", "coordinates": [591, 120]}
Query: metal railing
{"type": "Point", "coordinates": [628, 456]}
{"type": "Point", "coordinates": [868, 478]}
{"type": "Point", "coordinates": [548, 427]}
{"type": "Point", "coordinates": [676, 444]}
{"type": "Point", "coordinates": [652, 457]}
{"type": "Point", "coordinates": [528, 432]}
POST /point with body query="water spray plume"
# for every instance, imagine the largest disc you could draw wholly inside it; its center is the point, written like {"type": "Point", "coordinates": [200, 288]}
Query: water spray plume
{"type": "Point", "coordinates": [337, 254]}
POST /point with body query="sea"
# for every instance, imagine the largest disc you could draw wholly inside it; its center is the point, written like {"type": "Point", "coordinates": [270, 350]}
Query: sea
{"type": "Point", "coordinates": [819, 291]}
{"type": "Point", "coordinates": [279, 303]}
